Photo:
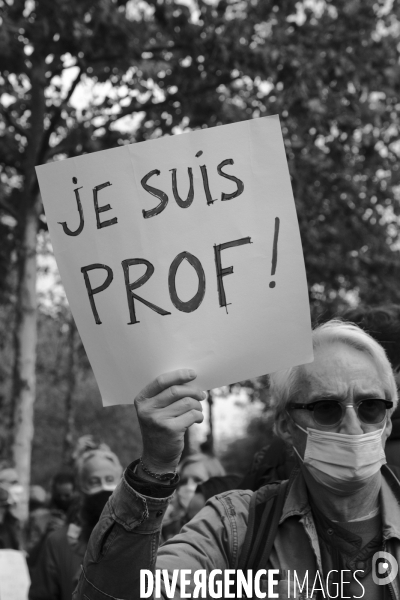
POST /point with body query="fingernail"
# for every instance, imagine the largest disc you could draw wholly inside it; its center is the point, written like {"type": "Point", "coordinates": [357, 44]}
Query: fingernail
{"type": "Point", "coordinates": [204, 395]}
{"type": "Point", "coordinates": [192, 373]}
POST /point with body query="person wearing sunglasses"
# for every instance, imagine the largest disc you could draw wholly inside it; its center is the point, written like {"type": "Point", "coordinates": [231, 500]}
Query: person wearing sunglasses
{"type": "Point", "coordinates": [330, 522]}
{"type": "Point", "coordinates": [335, 414]}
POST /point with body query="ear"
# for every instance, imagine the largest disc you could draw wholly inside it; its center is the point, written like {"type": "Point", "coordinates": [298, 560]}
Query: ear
{"type": "Point", "coordinates": [284, 428]}
{"type": "Point", "coordinates": [388, 430]}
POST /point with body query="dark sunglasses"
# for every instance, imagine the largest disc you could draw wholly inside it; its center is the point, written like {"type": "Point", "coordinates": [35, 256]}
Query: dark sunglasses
{"type": "Point", "coordinates": [371, 411]}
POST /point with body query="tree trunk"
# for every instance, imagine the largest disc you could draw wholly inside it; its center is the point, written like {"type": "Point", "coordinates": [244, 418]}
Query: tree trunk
{"type": "Point", "coordinates": [24, 380]}
{"type": "Point", "coordinates": [25, 333]}
{"type": "Point", "coordinates": [69, 398]}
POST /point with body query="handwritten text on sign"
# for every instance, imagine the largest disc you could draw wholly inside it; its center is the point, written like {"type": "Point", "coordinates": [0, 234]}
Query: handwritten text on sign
{"type": "Point", "coordinates": [145, 237]}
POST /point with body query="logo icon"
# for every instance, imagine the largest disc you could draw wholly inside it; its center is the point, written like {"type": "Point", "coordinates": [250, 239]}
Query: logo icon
{"type": "Point", "coordinates": [384, 568]}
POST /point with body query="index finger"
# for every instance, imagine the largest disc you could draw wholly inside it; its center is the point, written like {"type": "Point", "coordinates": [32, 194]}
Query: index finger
{"type": "Point", "coordinates": [163, 382]}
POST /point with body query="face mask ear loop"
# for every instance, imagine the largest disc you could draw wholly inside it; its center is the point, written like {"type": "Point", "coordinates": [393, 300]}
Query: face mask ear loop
{"type": "Point", "coordinates": [295, 449]}
{"type": "Point", "coordinates": [295, 424]}
{"type": "Point", "coordinates": [384, 427]}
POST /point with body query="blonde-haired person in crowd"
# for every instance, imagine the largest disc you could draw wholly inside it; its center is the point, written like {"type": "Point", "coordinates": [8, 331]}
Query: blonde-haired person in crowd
{"type": "Point", "coordinates": [98, 471]}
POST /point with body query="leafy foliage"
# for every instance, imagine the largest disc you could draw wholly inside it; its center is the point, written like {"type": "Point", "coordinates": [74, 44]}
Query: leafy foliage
{"type": "Point", "coordinates": [150, 68]}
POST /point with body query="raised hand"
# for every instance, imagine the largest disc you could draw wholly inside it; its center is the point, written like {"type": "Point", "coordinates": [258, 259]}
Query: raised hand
{"type": "Point", "coordinates": [166, 408]}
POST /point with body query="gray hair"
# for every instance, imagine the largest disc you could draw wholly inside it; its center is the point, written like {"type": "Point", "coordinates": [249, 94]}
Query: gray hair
{"type": "Point", "coordinates": [284, 385]}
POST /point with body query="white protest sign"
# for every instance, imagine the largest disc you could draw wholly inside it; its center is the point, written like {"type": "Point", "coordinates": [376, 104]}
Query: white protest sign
{"type": "Point", "coordinates": [14, 576]}
{"type": "Point", "coordinates": [182, 252]}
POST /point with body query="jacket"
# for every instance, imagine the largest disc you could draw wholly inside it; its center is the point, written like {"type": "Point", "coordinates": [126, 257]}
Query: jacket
{"type": "Point", "coordinates": [10, 532]}
{"type": "Point", "coordinates": [127, 536]}
{"type": "Point", "coordinates": [57, 568]}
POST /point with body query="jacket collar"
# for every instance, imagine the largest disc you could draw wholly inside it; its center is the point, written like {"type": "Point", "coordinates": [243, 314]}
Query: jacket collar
{"type": "Point", "coordinates": [296, 502]}
{"type": "Point", "coordinates": [390, 504]}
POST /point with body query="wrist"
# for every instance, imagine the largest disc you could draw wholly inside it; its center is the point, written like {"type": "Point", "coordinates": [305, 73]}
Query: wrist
{"type": "Point", "coordinates": [148, 471]}
{"type": "Point", "coordinates": [148, 487]}
{"type": "Point", "coordinates": [158, 465]}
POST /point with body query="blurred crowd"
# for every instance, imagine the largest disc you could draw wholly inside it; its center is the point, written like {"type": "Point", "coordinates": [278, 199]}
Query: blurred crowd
{"type": "Point", "coordinates": [62, 519]}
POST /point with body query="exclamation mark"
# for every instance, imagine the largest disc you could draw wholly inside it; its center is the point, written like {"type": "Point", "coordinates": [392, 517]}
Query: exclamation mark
{"type": "Point", "coordinates": [274, 252]}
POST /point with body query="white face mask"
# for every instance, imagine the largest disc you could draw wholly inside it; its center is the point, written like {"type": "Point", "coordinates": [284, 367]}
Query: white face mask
{"type": "Point", "coordinates": [341, 462]}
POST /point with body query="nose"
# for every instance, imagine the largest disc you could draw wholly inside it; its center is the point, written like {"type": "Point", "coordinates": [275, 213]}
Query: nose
{"type": "Point", "coordinates": [350, 423]}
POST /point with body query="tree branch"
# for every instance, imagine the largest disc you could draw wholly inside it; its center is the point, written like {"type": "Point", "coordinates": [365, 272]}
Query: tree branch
{"type": "Point", "coordinates": [167, 48]}
{"type": "Point", "coordinates": [56, 116]}
{"type": "Point", "coordinates": [12, 123]}
{"type": "Point", "coordinates": [128, 110]}
{"type": "Point", "coordinates": [5, 206]}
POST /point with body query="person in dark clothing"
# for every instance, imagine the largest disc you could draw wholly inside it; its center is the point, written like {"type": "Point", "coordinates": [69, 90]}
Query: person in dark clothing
{"type": "Point", "coordinates": [10, 493]}
{"type": "Point", "coordinates": [63, 491]}
{"type": "Point", "coordinates": [45, 519]}
{"type": "Point", "coordinates": [9, 531]}
{"type": "Point", "coordinates": [57, 569]}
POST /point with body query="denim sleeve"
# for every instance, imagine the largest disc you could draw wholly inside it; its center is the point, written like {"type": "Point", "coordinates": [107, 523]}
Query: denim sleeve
{"type": "Point", "coordinates": [211, 541]}
{"type": "Point", "coordinates": [124, 541]}
{"type": "Point", "coordinates": [127, 536]}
